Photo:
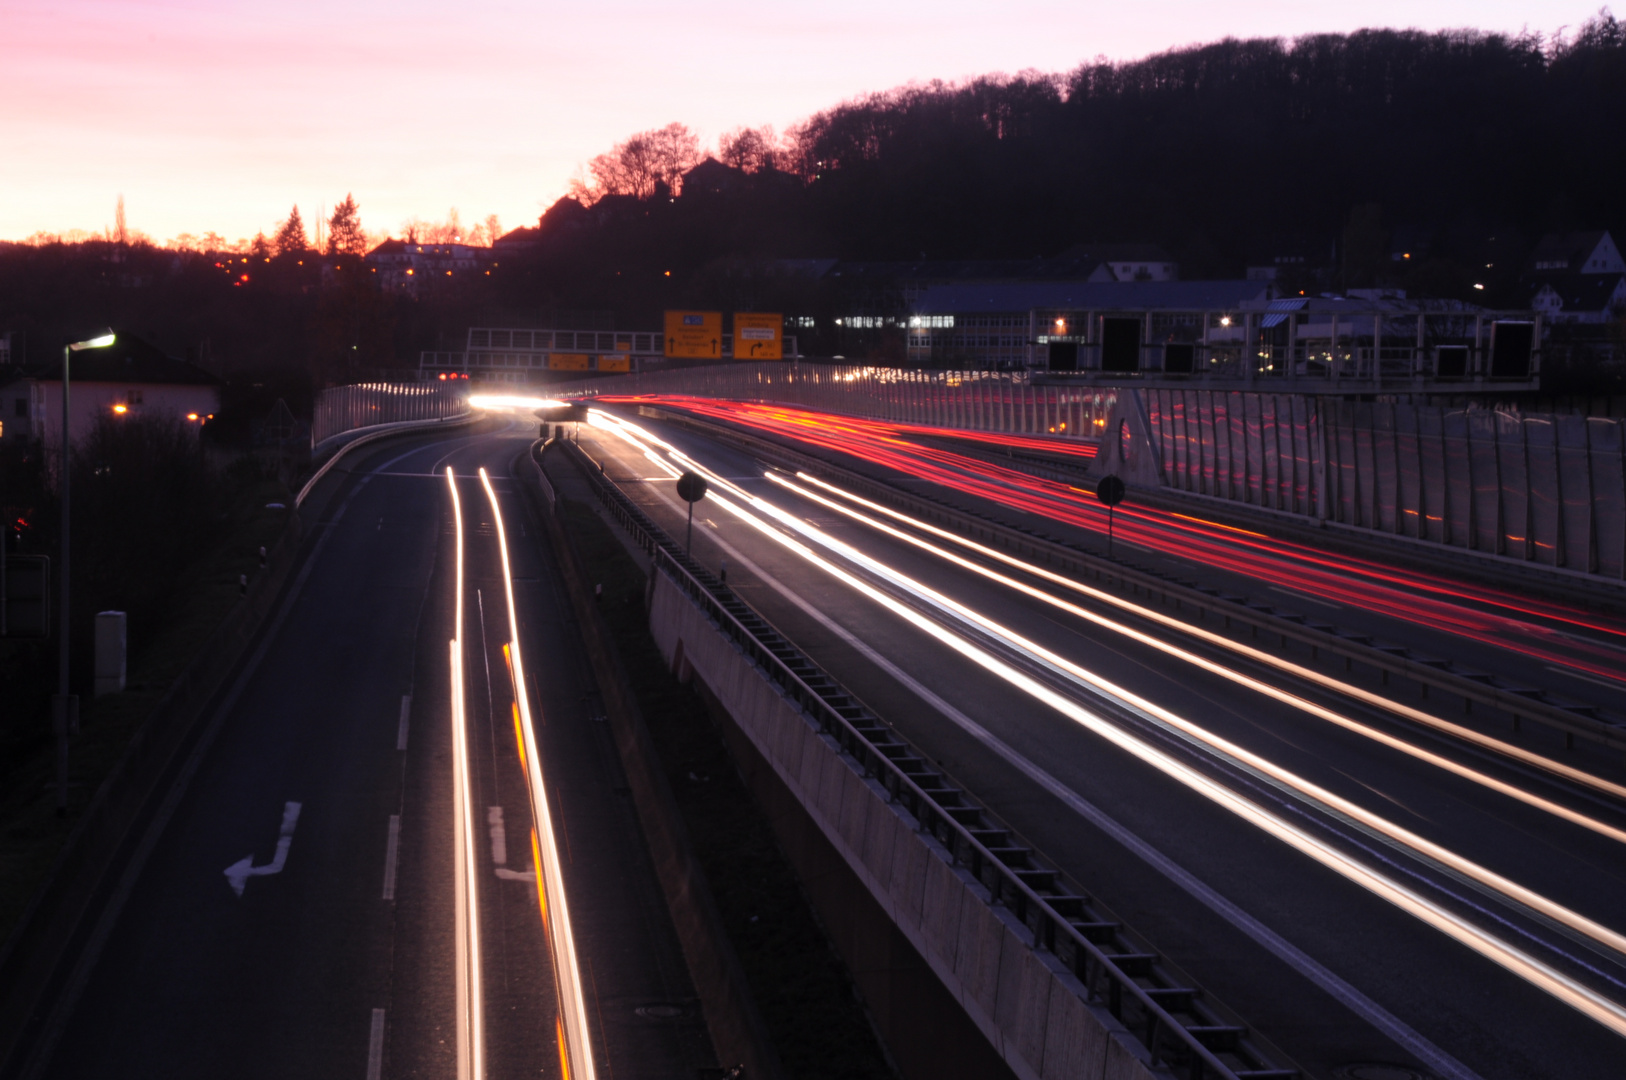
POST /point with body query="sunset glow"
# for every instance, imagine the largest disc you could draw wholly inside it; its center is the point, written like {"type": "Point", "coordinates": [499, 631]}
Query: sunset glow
{"type": "Point", "coordinates": [220, 116]}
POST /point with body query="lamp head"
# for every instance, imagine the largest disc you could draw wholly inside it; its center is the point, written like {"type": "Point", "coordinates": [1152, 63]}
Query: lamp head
{"type": "Point", "coordinates": [99, 342]}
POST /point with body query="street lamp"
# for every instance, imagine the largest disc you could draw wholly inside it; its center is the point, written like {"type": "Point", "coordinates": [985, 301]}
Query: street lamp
{"type": "Point", "coordinates": [64, 708]}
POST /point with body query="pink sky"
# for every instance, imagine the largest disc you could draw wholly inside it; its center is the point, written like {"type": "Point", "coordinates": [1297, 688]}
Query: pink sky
{"type": "Point", "coordinates": [220, 115]}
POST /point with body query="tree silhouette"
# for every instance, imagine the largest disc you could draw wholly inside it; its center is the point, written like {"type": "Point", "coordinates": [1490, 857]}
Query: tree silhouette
{"type": "Point", "coordinates": [344, 234]}
{"type": "Point", "coordinates": [290, 237]}
{"type": "Point", "coordinates": [748, 149]}
{"type": "Point", "coordinates": [635, 167]}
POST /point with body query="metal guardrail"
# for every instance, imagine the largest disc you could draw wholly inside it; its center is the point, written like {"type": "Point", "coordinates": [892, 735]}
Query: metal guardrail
{"type": "Point", "coordinates": [1572, 719]}
{"type": "Point", "coordinates": [1179, 1027]}
{"type": "Point", "coordinates": [340, 409]}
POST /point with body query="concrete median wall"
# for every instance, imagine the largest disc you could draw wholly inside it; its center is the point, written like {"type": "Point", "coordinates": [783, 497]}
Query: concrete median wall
{"type": "Point", "coordinates": [887, 890]}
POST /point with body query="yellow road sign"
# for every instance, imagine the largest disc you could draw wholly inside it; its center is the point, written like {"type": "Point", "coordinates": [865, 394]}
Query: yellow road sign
{"type": "Point", "coordinates": [613, 362]}
{"type": "Point", "coordinates": [564, 361]}
{"type": "Point", "coordinates": [758, 336]}
{"type": "Point", "coordinates": [694, 334]}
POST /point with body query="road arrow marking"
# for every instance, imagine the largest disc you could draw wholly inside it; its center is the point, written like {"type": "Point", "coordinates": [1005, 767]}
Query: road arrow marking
{"type": "Point", "coordinates": [499, 848]}
{"type": "Point", "coordinates": [239, 872]}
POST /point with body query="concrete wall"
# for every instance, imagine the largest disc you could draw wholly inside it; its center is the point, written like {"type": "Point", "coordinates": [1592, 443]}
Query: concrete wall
{"type": "Point", "coordinates": [1027, 1007]}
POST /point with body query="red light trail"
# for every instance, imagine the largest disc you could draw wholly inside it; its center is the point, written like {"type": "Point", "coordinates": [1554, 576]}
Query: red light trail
{"type": "Point", "coordinates": [1438, 603]}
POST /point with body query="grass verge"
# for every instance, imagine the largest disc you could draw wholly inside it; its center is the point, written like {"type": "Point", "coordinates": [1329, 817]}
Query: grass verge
{"type": "Point", "coordinates": [802, 989]}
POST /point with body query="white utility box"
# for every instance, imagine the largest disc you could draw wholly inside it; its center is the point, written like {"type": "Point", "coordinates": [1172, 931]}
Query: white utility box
{"type": "Point", "coordinates": [110, 640]}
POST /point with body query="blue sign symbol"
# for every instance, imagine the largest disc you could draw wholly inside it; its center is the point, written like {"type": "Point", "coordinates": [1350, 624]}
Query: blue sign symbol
{"type": "Point", "coordinates": [694, 320]}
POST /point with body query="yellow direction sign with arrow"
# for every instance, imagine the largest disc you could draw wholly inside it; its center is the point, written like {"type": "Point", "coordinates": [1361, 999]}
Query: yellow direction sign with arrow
{"type": "Point", "coordinates": [758, 336]}
{"type": "Point", "coordinates": [694, 334]}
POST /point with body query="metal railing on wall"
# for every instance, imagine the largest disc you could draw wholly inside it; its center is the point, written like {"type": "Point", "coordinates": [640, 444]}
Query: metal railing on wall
{"type": "Point", "coordinates": [998, 401]}
{"type": "Point", "coordinates": [340, 409]}
{"type": "Point", "coordinates": [1549, 489]}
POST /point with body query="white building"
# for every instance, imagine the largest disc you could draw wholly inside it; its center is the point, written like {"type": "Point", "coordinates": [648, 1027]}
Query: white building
{"type": "Point", "coordinates": [408, 266]}
{"type": "Point", "coordinates": [129, 378]}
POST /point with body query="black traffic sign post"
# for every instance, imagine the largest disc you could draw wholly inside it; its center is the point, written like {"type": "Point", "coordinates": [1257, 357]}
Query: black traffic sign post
{"type": "Point", "coordinates": [1110, 490]}
{"type": "Point", "coordinates": [691, 488]}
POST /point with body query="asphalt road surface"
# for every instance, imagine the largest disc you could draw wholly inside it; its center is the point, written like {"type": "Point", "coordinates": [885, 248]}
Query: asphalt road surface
{"type": "Point", "coordinates": [294, 911]}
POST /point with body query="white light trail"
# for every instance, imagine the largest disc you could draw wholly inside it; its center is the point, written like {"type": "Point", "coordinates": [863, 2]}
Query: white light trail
{"type": "Point", "coordinates": [1589, 1002]}
{"type": "Point", "coordinates": [1366, 697]}
{"type": "Point", "coordinates": [470, 994]}
{"type": "Point", "coordinates": [1240, 678]}
{"type": "Point", "coordinates": [514, 401]}
{"type": "Point", "coordinates": [573, 1026]}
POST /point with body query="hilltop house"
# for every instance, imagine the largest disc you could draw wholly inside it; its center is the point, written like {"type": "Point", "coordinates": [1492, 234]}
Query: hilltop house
{"type": "Point", "coordinates": [1578, 278]}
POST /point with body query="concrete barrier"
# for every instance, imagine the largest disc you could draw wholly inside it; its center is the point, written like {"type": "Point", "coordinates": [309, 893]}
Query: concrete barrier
{"type": "Point", "coordinates": [1027, 1006]}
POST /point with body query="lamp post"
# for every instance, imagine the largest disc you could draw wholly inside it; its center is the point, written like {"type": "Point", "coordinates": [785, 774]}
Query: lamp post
{"type": "Point", "coordinates": [65, 708]}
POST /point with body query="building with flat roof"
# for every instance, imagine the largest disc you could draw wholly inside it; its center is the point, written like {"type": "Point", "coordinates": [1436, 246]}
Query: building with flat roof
{"type": "Point", "coordinates": [1218, 331]}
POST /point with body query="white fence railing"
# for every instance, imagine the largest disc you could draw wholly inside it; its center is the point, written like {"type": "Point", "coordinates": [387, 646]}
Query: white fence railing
{"type": "Point", "coordinates": [345, 408]}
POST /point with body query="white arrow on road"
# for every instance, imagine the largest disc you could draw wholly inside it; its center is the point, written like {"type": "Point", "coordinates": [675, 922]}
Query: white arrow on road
{"type": "Point", "coordinates": [239, 872]}
{"type": "Point", "coordinates": [499, 848]}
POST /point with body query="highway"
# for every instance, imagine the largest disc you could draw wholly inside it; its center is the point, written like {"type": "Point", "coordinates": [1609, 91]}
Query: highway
{"type": "Point", "coordinates": [346, 884]}
{"type": "Point", "coordinates": [1361, 878]}
{"type": "Point", "coordinates": [1560, 645]}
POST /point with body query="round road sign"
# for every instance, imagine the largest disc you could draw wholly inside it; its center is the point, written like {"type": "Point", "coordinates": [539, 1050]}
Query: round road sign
{"type": "Point", "coordinates": [1110, 490]}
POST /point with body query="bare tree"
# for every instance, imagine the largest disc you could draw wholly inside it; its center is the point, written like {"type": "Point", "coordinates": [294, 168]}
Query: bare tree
{"type": "Point", "coordinates": [635, 167]}
{"type": "Point", "coordinates": [121, 232]}
{"type": "Point", "coordinates": [749, 149]}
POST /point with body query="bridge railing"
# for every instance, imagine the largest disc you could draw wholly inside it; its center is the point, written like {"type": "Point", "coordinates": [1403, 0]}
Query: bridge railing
{"type": "Point", "coordinates": [342, 409]}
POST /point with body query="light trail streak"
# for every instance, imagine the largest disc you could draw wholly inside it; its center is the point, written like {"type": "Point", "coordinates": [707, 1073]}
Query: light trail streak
{"type": "Point", "coordinates": [576, 1042]}
{"type": "Point", "coordinates": [1427, 600]}
{"type": "Point", "coordinates": [1285, 778]}
{"type": "Point", "coordinates": [1571, 992]}
{"type": "Point", "coordinates": [470, 991]}
{"type": "Point", "coordinates": [1282, 664]}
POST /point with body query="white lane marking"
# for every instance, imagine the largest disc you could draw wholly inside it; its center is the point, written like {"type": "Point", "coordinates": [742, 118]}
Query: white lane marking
{"type": "Point", "coordinates": [1295, 594]}
{"type": "Point", "coordinates": [499, 836]}
{"type": "Point", "coordinates": [392, 848]}
{"type": "Point", "coordinates": [239, 872]}
{"type": "Point", "coordinates": [375, 1047]}
{"type": "Point", "coordinates": [1272, 942]}
{"type": "Point", "coordinates": [406, 715]}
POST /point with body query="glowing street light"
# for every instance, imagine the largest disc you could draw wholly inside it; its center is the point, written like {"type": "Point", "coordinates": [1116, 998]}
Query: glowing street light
{"type": "Point", "coordinates": [65, 709]}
